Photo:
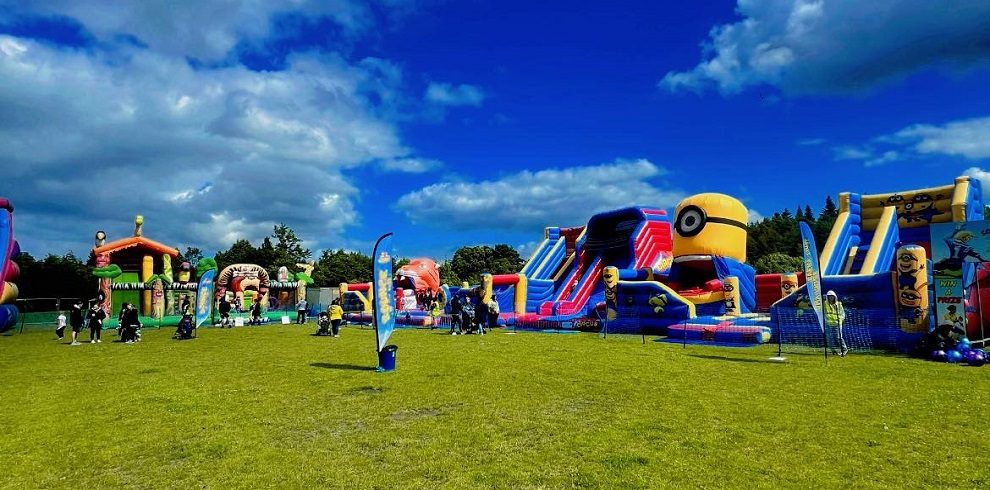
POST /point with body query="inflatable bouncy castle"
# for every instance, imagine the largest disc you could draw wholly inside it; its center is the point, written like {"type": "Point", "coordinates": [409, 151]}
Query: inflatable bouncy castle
{"type": "Point", "coordinates": [708, 292]}
{"type": "Point", "coordinates": [416, 285]}
{"type": "Point", "coordinates": [9, 250]}
{"type": "Point", "coordinates": [878, 260]}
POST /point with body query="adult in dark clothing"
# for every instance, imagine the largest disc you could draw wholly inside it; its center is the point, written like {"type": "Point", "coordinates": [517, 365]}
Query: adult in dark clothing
{"type": "Point", "coordinates": [130, 324]}
{"type": "Point", "coordinates": [186, 306]}
{"type": "Point", "coordinates": [76, 321]}
{"type": "Point", "coordinates": [481, 314]}
{"type": "Point", "coordinates": [455, 316]}
{"type": "Point", "coordinates": [256, 312]}
{"type": "Point", "coordinates": [224, 309]}
{"type": "Point", "coordinates": [95, 316]}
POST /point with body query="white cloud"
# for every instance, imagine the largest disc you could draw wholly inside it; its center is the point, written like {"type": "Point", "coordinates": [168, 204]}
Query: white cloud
{"type": "Point", "coordinates": [454, 95]}
{"type": "Point", "coordinates": [203, 30]}
{"type": "Point", "coordinates": [527, 200]}
{"type": "Point", "coordinates": [810, 141]}
{"type": "Point", "coordinates": [411, 165]}
{"type": "Point", "coordinates": [205, 155]}
{"type": "Point", "coordinates": [753, 216]}
{"type": "Point", "coordinates": [967, 138]}
{"type": "Point", "coordinates": [818, 46]}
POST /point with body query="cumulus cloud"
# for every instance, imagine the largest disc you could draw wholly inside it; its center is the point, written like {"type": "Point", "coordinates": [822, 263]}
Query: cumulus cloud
{"type": "Point", "coordinates": [967, 138]}
{"type": "Point", "coordinates": [819, 46]}
{"type": "Point", "coordinates": [454, 95]}
{"type": "Point", "coordinates": [206, 155]}
{"type": "Point", "coordinates": [754, 216]}
{"type": "Point", "coordinates": [531, 200]}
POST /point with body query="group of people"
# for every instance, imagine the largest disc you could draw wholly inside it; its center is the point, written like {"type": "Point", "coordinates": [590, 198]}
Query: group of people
{"type": "Point", "coordinates": [471, 313]}
{"type": "Point", "coordinates": [224, 308]}
{"type": "Point", "coordinates": [129, 329]}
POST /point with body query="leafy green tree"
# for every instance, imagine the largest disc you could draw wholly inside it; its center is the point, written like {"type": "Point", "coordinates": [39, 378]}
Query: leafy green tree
{"type": "Point", "coordinates": [55, 276]}
{"type": "Point", "coordinates": [288, 248]}
{"type": "Point", "coordinates": [337, 266]}
{"type": "Point", "coordinates": [469, 263]}
{"type": "Point", "coordinates": [447, 275]}
{"type": "Point", "coordinates": [241, 252]}
{"type": "Point", "coordinates": [777, 263]}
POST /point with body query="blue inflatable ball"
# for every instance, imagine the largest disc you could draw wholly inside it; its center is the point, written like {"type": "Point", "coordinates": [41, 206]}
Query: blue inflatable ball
{"type": "Point", "coordinates": [953, 356]}
{"type": "Point", "coordinates": [977, 359]}
{"type": "Point", "coordinates": [963, 345]}
{"type": "Point", "coordinates": [938, 355]}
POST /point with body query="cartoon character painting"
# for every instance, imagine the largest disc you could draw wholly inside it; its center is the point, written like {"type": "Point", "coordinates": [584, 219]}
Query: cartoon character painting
{"type": "Point", "coordinates": [960, 250]}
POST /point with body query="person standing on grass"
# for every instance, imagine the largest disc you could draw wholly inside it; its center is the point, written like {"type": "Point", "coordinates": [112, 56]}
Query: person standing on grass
{"type": "Point", "coordinates": [301, 311]}
{"type": "Point", "coordinates": [60, 325]}
{"type": "Point", "coordinates": [481, 313]}
{"type": "Point", "coordinates": [130, 324]}
{"type": "Point", "coordinates": [256, 311]}
{"type": "Point", "coordinates": [835, 317]}
{"type": "Point", "coordinates": [455, 315]}
{"type": "Point", "coordinates": [435, 313]}
{"type": "Point", "coordinates": [224, 309]}
{"type": "Point", "coordinates": [336, 317]}
{"type": "Point", "coordinates": [95, 316]}
{"type": "Point", "coordinates": [493, 312]}
{"type": "Point", "coordinates": [76, 321]}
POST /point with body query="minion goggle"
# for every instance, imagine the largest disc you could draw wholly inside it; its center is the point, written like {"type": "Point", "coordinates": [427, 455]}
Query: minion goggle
{"type": "Point", "coordinates": [691, 220]}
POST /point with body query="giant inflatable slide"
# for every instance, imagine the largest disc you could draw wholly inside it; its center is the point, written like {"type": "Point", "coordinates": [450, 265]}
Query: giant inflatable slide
{"type": "Point", "coordinates": [877, 260]}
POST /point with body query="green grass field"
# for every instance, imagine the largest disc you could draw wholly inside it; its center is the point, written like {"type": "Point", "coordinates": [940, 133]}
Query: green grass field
{"type": "Point", "coordinates": [273, 406]}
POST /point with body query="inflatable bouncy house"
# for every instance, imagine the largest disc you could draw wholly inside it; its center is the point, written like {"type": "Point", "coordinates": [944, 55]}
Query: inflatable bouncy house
{"type": "Point", "coordinates": [9, 250]}
{"type": "Point", "coordinates": [416, 285]}
{"type": "Point", "coordinates": [878, 260]}
{"type": "Point", "coordinates": [707, 293]}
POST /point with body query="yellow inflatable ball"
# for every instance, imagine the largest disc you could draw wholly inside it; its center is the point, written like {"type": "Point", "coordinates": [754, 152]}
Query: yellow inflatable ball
{"type": "Point", "coordinates": [710, 224]}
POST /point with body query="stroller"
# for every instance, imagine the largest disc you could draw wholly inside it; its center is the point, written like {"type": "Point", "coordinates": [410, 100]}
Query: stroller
{"type": "Point", "coordinates": [186, 330]}
{"type": "Point", "coordinates": [324, 324]}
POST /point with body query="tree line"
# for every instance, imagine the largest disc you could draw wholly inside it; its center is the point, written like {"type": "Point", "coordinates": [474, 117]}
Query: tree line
{"type": "Point", "coordinates": [774, 245]}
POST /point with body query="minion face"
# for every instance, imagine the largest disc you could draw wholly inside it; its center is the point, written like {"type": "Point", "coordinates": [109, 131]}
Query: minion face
{"type": "Point", "coordinates": [710, 224]}
{"type": "Point", "coordinates": [907, 262]}
{"type": "Point", "coordinates": [611, 277]}
{"type": "Point", "coordinates": [787, 287]}
{"type": "Point", "coordinates": [909, 297]}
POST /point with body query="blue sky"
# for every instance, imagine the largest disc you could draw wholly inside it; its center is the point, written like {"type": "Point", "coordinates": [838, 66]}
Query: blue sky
{"type": "Point", "coordinates": [454, 123]}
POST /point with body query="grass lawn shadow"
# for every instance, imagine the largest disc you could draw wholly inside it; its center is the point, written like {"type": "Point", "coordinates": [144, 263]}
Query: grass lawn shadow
{"type": "Point", "coordinates": [344, 367]}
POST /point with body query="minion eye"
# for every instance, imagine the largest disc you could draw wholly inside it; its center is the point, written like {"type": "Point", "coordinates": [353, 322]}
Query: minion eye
{"type": "Point", "coordinates": [690, 221]}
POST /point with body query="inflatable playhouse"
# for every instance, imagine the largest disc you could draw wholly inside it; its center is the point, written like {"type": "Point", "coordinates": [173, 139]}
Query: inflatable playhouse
{"type": "Point", "coordinates": [878, 259]}
{"type": "Point", "coordinates": [416, 286]}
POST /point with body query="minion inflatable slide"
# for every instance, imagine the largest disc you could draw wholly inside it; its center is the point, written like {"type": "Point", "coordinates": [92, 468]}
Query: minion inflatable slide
{"type": "Point", "coordinates": [9, 250]}
{"type": "Point", "coordinates": [877, 260]}
{"type": "Point", "coordinates": [707, 292]}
